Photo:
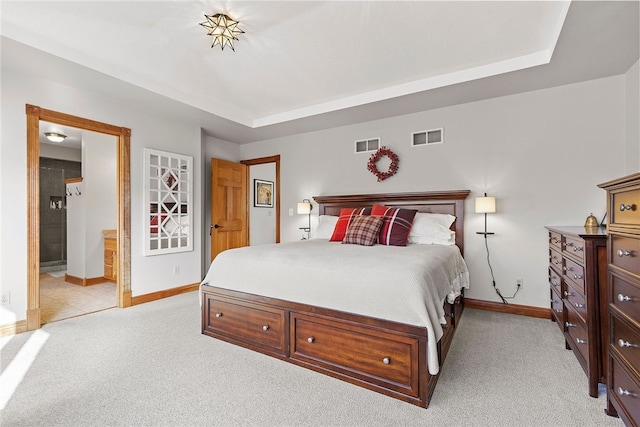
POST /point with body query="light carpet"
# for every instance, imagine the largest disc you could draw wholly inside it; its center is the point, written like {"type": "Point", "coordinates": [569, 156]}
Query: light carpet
{"type": "Point", "coordinates": [149, 365]}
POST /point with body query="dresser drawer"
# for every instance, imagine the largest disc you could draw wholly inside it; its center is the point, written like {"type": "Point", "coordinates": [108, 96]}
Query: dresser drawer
{"type": "Point", "coordinates": [625, 389]}
{"type": "Point", "coordinates": [577, 301]}
{"type": "Point", "coordinates": [625, 296]}
{"type": "Point", "coordinates": [555, 259]}
{"type": "Point", "coordinates": [254, 324]}
{"type": "Point", "coordinates": [574, 272]}
{"type": "Point", "coordinates": [366, 354]}
{"type": "Point", "coordinates": [626, 342]}
{"type": "Point", "coordinates": [625, 253]}
{"type": "Point", "coordinates": [573, 246]}
{"type": "Point", "coordinates": [555, 281]}
{"type": "Point", "coordinates": [625, 209]}
{"type": "Point", "coordinates": [556, 308]}
{"type": "Point", "coordinates": [555, 240]}
{"type": "Point", "coordinates": [578, 334]}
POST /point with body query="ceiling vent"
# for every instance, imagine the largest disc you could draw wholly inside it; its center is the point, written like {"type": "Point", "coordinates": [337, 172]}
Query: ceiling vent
{"type": "Point", "coordinates": [427, 137]}
{"type": "Point", "coordinates": [367, 145]}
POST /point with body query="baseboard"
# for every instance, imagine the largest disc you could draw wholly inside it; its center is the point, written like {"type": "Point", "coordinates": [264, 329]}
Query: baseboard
{"type": "Point", "coordinates": [522, 310]}
{"type": "Point", "coordinates": [141, 299]}
{"type": "Point", "coordinates": [84, 281]}
{"type": "Point", "coordinates": [13, 328]}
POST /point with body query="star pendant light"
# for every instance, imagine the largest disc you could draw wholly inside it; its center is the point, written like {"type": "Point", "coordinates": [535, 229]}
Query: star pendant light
{"type": "Point", "coordinates": [223, 29]}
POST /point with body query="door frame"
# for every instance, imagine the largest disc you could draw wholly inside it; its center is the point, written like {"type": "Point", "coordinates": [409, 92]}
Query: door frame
{"type": "Point", "coordinates": [260, 161]}
{"type": "Point", "coordinates": [123, 153]}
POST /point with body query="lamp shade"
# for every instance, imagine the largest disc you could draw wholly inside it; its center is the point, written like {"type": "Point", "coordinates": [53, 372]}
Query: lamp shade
{"type": "Point", "coordinates": [304, 208]}
{"type": "Point", "coordinates": [485, 204]}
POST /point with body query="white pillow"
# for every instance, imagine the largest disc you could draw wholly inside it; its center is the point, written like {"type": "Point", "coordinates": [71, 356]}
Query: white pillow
{"type": "Point", "coordinates": [430, 229]}
{"type": "Point", "coordinates": [326, 224]}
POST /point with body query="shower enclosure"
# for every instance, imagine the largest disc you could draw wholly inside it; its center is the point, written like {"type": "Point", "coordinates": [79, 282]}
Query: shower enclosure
{"type": "Point", "coordinates": [53, 212]}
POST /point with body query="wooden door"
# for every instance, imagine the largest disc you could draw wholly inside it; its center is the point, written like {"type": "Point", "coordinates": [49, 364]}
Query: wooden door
{"type": "Point", "coordinates": [228, 206]}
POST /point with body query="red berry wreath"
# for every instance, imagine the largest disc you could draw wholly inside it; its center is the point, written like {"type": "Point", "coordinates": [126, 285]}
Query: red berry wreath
{"type": "Point", "coordinates": [393, 167]}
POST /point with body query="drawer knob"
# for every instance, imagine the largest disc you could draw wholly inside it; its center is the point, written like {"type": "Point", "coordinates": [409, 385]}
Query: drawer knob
{"type": "Point", "coordinates": [623, 392]}
{"type": "Point", "coordinates": [577, 276]}
{"type": "Point", "coordinates": [386, 360]}
{"type": "Point", "coordinates": [581, 341]}
{"type": "Point", "coordinates": [624, 207]}
{"type": "Point", "coordinates": [558, 310]}
{"type": "Point", "coordinates": [568, 294]}
{"type": "Point", "coordinates": [623, 253]}
{"type": "Point", "coordinates": [623, 298]}
{"type": "Point", "coordinates": [622, 343]}
{"type": "Point", "coordinates": [565, 268]}
{"type": "Point", "coordinates": [579, 305]}
{"type": "Point", "coordinates": [578, 248]}
{"type": "Point", "coordinates": [568, 244]}
{"type": "Point", "coordinates": [218, 314]}
{"type": "Point", "coordinates": [265, 328]}
{"type": "Point", "coordinates": [310, 340]}
{"type": "Point", "coordinates": [569, 325]}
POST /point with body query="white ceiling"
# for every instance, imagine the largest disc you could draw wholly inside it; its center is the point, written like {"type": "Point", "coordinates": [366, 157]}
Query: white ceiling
{"type": "Point", "coordinates": [308, 65]}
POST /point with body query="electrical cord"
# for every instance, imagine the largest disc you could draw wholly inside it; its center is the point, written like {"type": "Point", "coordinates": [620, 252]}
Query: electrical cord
{"type": "Point", "coordinates": [493, 279]}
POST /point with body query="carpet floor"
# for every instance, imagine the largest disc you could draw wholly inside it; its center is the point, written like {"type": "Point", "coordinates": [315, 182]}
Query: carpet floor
{"type": "Point", "coordinates": [149, 365]}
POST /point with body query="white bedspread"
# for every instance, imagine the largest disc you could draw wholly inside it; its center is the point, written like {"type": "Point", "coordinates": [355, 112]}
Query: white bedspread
{"type": "Point", "coordinates": [402, 284]}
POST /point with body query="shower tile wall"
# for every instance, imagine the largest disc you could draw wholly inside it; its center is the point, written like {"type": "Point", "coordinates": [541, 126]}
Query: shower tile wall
{"type": "Point", "coordinates": [53, 221]}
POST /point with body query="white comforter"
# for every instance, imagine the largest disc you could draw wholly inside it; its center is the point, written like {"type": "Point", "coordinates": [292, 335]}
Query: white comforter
{"type": "Point", "coordinates": [402, 284]}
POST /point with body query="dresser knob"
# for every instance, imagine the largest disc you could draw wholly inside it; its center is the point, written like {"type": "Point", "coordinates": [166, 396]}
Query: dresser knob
{"type": "Point", "coordinates": [568, 294]}
{"type": "Point", "coordinates": [568, 244]}
{"type": "Point", "coordinates": [622, 343]}
{"type": "Point", "coordinates": [579, 305]}
{"type": "Point", "coordinates": [310, 340]}
{"type": "Point", "coordinates": [386, 360]}
{"type": "Point", "coordinates": [623, 253]}
{"type": "Point", "coordinates": [569, 325]}
{"type": "Point", "coordinates": [580, 341]}
{"type": "Point", "coordinates": [578, 249]}
{"type": "Point", "coordinates": [623, 392]}
{"type": "Point", "coordinates": [218, 314]}
{"type": "Point", "coordinates": [265, 328]}
{"type": "Point", "coordinates": [577, 276]}
{"type": "Point", "coordinates": [623, 298]}
{"type": "Point", "coordinates": [624, 207]}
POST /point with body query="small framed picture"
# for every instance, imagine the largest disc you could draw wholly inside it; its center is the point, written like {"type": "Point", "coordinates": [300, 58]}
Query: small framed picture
{"type": "Point", "coordinates": [262, 193]}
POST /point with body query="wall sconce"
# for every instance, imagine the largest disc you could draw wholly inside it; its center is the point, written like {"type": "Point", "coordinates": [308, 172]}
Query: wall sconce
{"type": "Point", "coordinates": [485, 205]}
{"type": "Point", "coordinates": [304, 208]}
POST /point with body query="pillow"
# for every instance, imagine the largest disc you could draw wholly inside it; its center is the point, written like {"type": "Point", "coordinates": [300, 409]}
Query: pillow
{"type": "Point", "coordinates": [396, 226]}
{"type": "Point", "coordinates": [363, 230]}
{"type": "Point", "coordinates": [429, 228]}
{"type": "Point", "coordinates": [326, 225]}
{"type": "Point", "coordinates": [346, 215]}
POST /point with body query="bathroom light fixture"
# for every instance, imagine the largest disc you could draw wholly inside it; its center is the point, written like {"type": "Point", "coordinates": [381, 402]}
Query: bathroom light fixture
{"type": "Point", "coordinates": [223, 29]}
{"type": "Point", "coordinates": [304, 208]}
{"type": "Point", "coordinates": [55, 136]}
{"type": "Point", "coordinates": [485, 205]}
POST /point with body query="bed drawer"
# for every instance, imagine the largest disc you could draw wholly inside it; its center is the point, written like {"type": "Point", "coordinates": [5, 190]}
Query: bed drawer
{"type": "Point", "coordinates": [625, 254]}
{"type": "Point", "coordinates": [253, 324]}
{"type": "Point", "coordinates": [369, 355]}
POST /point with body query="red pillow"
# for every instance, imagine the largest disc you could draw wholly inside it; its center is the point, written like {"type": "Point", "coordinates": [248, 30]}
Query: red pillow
{"type": "Point", "coordinates": [346, 215]}
{"type": "Point", "coordinates": [396, 226]}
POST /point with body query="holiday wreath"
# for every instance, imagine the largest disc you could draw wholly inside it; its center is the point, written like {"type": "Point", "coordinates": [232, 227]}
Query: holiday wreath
{"type": "Point", "coordinates": [375, 157]}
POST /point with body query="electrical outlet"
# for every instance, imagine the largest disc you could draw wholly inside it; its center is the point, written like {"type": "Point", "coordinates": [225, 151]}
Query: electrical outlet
{"type": "Point", "coordinates": [519, 283]}
{"type": "Point", "coordinates": [6, 297]}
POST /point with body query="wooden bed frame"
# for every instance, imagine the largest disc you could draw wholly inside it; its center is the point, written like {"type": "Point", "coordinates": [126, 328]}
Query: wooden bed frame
{"type": "Point", "coordinates": [384, 356]}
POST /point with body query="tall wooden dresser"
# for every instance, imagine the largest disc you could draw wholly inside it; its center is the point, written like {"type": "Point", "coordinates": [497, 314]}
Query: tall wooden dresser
{"type": "Point", "coordinates": [623, 227]}
{"type": "Point", "coordinates": [577, 278]}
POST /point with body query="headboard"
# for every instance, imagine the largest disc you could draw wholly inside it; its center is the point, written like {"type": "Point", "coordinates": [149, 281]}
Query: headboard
{"type": "Point", "coordinates": [448, 202]}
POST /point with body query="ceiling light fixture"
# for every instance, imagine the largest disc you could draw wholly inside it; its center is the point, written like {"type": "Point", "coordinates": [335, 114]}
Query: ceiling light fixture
{"type": "Point", "coordinates": [55, 136]}
{"type": "Point", "coordinates": [223, 29]}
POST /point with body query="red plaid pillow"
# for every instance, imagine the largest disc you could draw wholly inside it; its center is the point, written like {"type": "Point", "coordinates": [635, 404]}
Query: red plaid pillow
{"type": "Point", "coordinates": [346, 216]}
{"type": "Point", "coordinates": [363, 230]}
{"type": "Point", "coordinates": [396, 226]}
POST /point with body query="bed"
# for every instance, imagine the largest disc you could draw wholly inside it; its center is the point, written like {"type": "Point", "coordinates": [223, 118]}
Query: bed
{"type": "Point", "coordinates": [342, 321]}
